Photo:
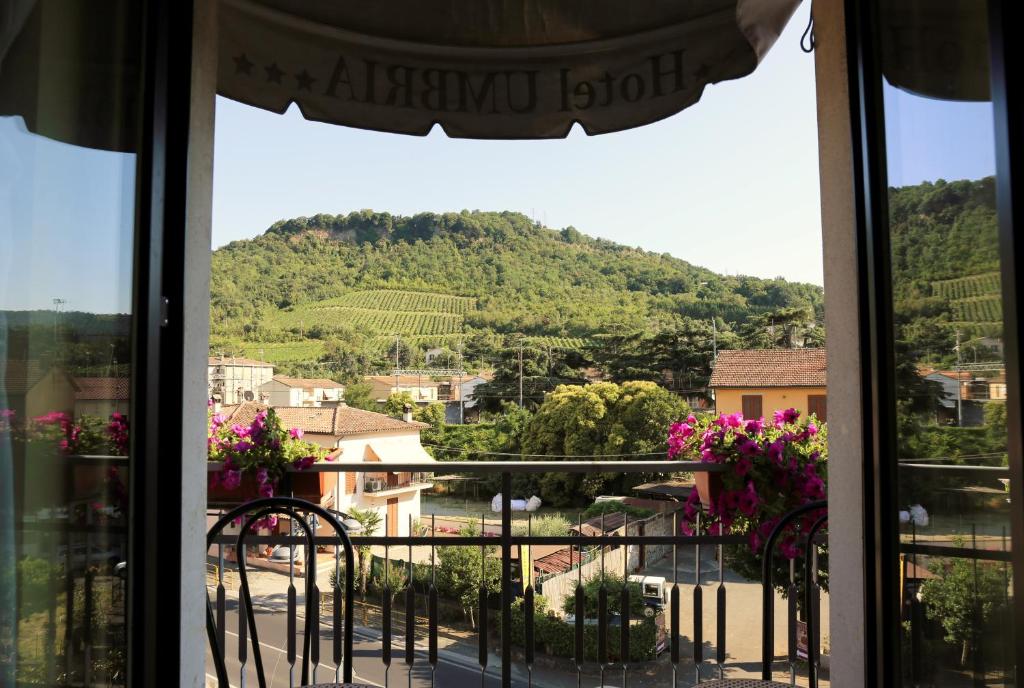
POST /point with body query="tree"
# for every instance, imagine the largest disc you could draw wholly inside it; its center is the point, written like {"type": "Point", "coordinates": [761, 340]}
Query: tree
{"type": "Point", "coordinates": [396, 403]}
{"type": "Point", "coordinates": [600, 419]}
{"type": "Point", "coordinates": [543, 369]}
{"type": "Point", "coordinates": [963, 597]}
{"type": "Point", "coordinates": [613, 583]}
{"type": "Point", "coordinates": [360, 395]}
{"type": "Point", "coordinates": [370, 520]}
{"type": "Point", "coordinates": [462, 571]}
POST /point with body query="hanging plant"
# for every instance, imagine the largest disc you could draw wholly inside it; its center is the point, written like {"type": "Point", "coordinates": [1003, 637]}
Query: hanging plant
{"type": "Point", "coordinates": [256, 456]}
{"type": "Point", "coordinates": [773, 468]}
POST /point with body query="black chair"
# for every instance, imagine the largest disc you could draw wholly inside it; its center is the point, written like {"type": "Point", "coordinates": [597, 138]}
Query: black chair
{"type": "Point", "coordinates": [296, 510]}
{"type": "Point", "coordinates": [819, 510]}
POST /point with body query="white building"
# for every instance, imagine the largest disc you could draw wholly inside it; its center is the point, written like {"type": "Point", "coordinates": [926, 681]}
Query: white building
{"type": "Point", "coordinates": [101, 396]}
{"type": "Point", "coordinates": [358, 435]}
{"type": "Point", "coordinates": [301, 391]}
{"type": "Point", "coordinates": [234, 380]}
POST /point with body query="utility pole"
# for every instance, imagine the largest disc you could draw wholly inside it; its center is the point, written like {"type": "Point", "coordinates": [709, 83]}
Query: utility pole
{"type": "Point", "coordinates": [520, 373]}
{"type": "Point", "coordinates": [398, 340]}
{"type": "Point", "coordinates": [959, 395]}
{"type": "Point", "coordinates": [714, 340]}
{"type": "Point", "coordinates": [462, 397]}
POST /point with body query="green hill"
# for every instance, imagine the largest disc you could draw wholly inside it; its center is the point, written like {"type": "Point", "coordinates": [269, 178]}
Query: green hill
{"type": "Point", "coordinates": [945, 267]}
{"type": "Point", "coordinates": [438, 278]}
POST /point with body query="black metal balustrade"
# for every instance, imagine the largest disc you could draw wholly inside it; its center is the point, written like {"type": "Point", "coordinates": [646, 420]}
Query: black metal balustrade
{"type": "Point", "coordinates": [699, 664]}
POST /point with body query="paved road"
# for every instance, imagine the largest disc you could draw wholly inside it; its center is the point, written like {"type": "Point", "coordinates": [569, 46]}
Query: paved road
{"type": "Point", "coordinates": [368, 667]}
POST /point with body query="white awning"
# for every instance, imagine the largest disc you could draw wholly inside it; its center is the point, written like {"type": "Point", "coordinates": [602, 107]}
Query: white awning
{"type": "Point", "coordinates": [394, 452]}
{"type": "Point", "coordinates": [489, 69]}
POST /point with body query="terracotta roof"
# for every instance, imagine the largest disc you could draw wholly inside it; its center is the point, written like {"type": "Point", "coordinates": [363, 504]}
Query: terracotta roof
{"type": "Point", "coordinates": [308, 382]}
{"type": "Point", "coordinates": [96, 388]}
{"type": "Point", "coordinates": [238, 360]}
{"type": "Point", "coordinates": [21, 376]}
{"type": "Point", "coordinates": [323, 420]}
{"type": "Point", "coordinates": [612, 521]}
{"type": "Point", "coordinates": [558, 561]}
{"type": "Point", "coordinates": [769, 368]}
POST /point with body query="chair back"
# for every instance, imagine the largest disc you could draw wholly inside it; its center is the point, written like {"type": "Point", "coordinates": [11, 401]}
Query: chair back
{"type": "Point", "coordinates": [298, 510]}
{"type": "Point", "coordinates": [815, 517]}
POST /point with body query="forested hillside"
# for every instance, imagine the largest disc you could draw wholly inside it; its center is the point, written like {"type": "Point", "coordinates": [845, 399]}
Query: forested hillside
{"type": "Point", "coordinates": [945, 263]}
{"type": "Point", "coordinates": [323, 285]}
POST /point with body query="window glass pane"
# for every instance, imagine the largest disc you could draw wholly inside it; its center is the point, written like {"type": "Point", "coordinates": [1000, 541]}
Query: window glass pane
{"type": "Point", "coordinates": [68, 74]}
{"type": "Point", "coordinates": [950, 375]}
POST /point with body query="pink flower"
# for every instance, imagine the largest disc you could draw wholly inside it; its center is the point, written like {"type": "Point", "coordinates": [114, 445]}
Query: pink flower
{"type": "Point", "coordinates": [775, 452]}
{"type": "Point", "coordinates": [686, 529]}
{"type": "Point", "coordinates": [814, 488]}
{"type": "Point", "coordinates": [242, 446]}
{"type": "Point", "coordinates": [240, 430]}
{"type": "Point", "coordinates": [734, 420]}
{"type": "Point", "coordinates": [218, 420]}
{"type": "Point", "coordinates": [748, 447]}
{"type": "Point", "coordinates": [691, 419]}
{"type": "Point", "coordinates": [743, 466]}
{"type": "Point", "coordinates": [303, 463]}
{"type": "Point", "coordinates": [812, 429]}
{"type": "Point", "coordinates": [231, 479]}
{"type": "Point", "coordinates": [266, 489]}
{"type": "Point", "coordinates": [790, 415]}
{"type": "Point", "coordinates": [754, 427]}
{"type": "Point", "coordinates": [789, 548]}
{"type": "Point", "coordinates": [296, 433]}
{"type": "Point", "coordinates": [261, 476]}
{"type": "Point", "coordinates": [749, 500]}
{"type": "Point", "coordinates": [708, 456]}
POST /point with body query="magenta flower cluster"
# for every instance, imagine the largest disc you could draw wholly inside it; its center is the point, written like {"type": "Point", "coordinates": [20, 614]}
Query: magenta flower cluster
{"type": "Point", "coordinates": [775, 467]}
{"type": "Point", "coordinates": [262, 448]}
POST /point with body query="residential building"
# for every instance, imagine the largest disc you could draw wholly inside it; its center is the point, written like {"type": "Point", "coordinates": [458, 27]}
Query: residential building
{"type": "Point", "coordinates": [300, 391]}
{"type": "Point", "coordinates": [101, 396]}
{"type": "Point", "coordinates": [357, 435]}
{"type": "Point", "coordinates": [756, 382]}
{"type": "Point", "coordinates": [33, 389]}
{"type": "Point", "coordinates": [233, 380]}
{"type": "Point", "coordinates": [422, 388]}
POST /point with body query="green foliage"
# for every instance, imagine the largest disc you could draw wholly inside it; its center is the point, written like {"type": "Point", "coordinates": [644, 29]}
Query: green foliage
{"type": "Point", "coordinates": [437, 279]}
{"type": "Point", "coordinates": [396, 402]}
{"type": "Point", "coordinates": [550, 525]}
{"type": "Point", "coordinates": [964, 596]}
{"type": "Point", "coordinates": [462, 571]}
{"type": "Point", "coordinates": [360, 395]}
{"type": "Point", "coordinates": [370, 520]}
{"type": "Point", "coordinates": [613, 584]}
{"type": "Point", "coordinates": [34, 580]}
{"type": "Point", "coordinates": [556, 637]}
{"type": "Point", "coordinates": [600, 419]}
{"type": "Point", "coordinates": [614, 507]}
{"type": "Point", "coordinates": [543, 369]}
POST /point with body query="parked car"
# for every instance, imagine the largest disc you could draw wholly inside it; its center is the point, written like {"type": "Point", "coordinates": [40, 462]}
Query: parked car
{"type": "Point", "coordinates": [654, 591]}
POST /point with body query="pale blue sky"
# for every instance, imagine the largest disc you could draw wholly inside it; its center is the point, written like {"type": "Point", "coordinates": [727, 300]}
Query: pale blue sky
{"type": "Point", "coordinates": [730, 184]}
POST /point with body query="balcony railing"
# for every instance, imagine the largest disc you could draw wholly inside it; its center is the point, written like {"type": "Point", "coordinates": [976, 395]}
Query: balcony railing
{"type": "Point", "coordinates": [406, 626]}
{"type": "Point", "coordinates": [506, 615]}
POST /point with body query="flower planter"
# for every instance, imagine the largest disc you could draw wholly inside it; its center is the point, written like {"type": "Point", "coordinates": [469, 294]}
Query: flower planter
{"type": "Point", "coordinates": [302, 485]}
{"type": "Point", "coordinates": [709, 487]}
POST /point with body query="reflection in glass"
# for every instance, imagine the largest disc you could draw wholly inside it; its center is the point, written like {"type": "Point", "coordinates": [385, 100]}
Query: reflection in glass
{"type": "Point", "coordinates": [67, 185]}
{"type": "Point", "coordinates": [950, 374]}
